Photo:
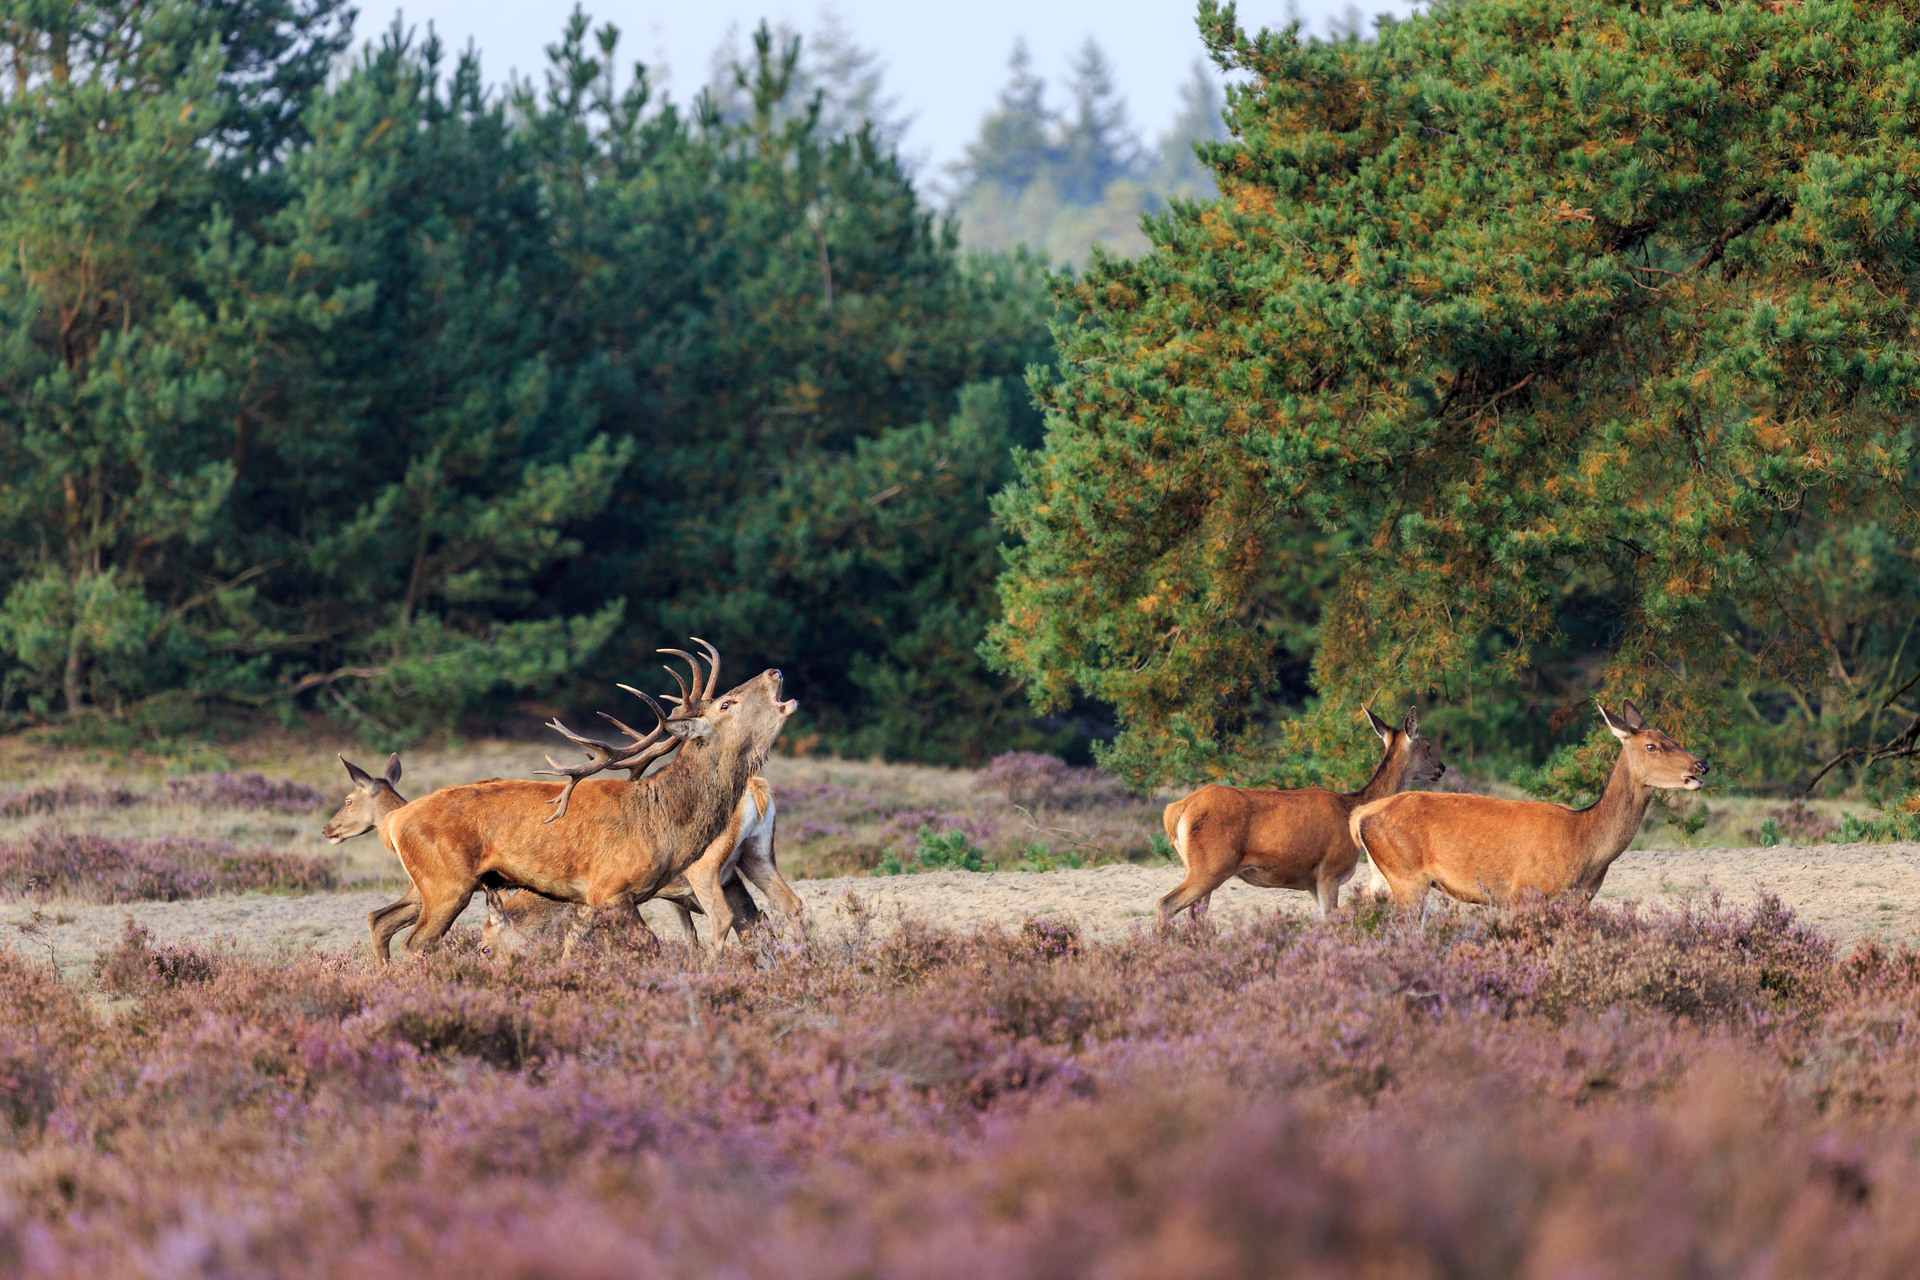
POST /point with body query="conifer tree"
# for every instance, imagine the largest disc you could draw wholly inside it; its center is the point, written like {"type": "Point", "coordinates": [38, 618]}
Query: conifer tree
{"type": "Point", "coordinates": [1515, 305]}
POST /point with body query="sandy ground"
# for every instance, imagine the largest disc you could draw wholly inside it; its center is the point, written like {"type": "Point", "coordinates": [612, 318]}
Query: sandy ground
{"type": "Point", "coordinates": [1853, 891]}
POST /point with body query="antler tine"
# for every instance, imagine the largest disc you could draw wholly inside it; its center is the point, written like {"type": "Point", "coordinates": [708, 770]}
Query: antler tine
{"type": "Point", "coordinates": [699, 673]}
{"type": "Point", "coordinates": [676, 679]}
{"type": "Point", "coordinates": [600, 755]}
{"type": "Point", "coordinates": [713, 656]}
{"type": "Point", "coordinates": [647, 698]}
{"type": "Point", "coordinates": [639, 738]}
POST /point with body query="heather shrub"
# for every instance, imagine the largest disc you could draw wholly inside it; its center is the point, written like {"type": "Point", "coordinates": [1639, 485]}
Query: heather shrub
{"type": "Point", "coordinates": [1292, 1097]}
{"type": "Point", "coordinates": [62, 796]}
{"type": "Point", "coordinates": [135, 963]}
{"type": "Point", "coordinates": [1041, 782]}
{"type": "Point", "coordinates": [95, 868]}
{"type": "Point", "coordinates": [1050, 938]}
{"type": "Point", "coordinates": [246, 791]}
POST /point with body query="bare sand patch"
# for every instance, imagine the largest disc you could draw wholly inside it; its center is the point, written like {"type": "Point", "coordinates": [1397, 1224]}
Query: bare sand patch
{"type": "Point", "coordinates": [1855, 892]}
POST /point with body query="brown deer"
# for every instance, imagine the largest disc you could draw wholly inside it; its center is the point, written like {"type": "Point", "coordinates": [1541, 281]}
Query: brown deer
{"type": "Point", "coordinates": [744, 849]}
{"type": "Point", "coordinates": [370, 806]}
{"type": "Point", "coordinates": [628, 840]}
{"type": "Point", "coordinates": [1285, 839]}
{"type": "Point", "coordinates": [1483, 850]}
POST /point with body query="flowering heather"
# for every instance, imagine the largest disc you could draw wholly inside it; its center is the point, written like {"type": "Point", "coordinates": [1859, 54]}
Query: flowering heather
{"type": "Point", "coordinates": [87, 867]}
{"type": "Point", "coordinates": [246, 791]}
{"type": "Point", "coordinates": [217, 790]}
{"type": "Point", "coordinates": [62, 796]}
{"type": "Point", "coordinates": [1543, 1093]}
{"type": "Point", "coordinates": [1035, 781]}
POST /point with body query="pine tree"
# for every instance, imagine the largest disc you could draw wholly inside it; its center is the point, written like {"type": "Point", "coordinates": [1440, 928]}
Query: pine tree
{"type": "Point", "coordinates": [1516, 308]}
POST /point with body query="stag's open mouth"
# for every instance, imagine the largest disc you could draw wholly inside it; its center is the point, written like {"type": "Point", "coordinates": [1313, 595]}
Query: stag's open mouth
{"type": "Point", "coordinates": [1692, 782]}
{"type": "Point", "coordinates": [788, 707]}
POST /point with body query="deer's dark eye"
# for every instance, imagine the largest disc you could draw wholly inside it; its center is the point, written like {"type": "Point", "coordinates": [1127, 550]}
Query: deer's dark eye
{"type": "Point", "coordinates": [728, 703]}
{"type": "Point", "coordinates": [1653, 746]}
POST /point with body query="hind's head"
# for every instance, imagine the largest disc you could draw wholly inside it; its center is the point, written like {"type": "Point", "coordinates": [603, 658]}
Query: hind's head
{"type": "Point", "coordinates": [1418, 759]}
{"type": "Point", "coordinates": [1654, 759]}
{"type": "Point", "coordinates": [370, 800]}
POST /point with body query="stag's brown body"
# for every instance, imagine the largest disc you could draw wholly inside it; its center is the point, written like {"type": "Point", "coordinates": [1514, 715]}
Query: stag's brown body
{"type": "Point", "coordinates": [744, 850]}
{"type": "Point", "coordinates": [619, 842]}
{"type": "Point", "coordinates": [1484, 850]}
{"type": "Point", "coordinates": [1285, 839]}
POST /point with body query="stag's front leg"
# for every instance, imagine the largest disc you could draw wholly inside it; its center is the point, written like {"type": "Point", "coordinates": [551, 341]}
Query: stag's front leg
{"type": "Point", "coordinates": [704, 878]}
{"type": "Point", "coordinates": [579, 928]}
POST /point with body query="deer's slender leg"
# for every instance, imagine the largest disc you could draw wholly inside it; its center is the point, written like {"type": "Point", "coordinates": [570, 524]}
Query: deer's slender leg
{"type": "Point", "coordinates": [746, 912]}
{"type": "Point", "coordinates": [704, 878]}
{"type": "Point", "coordinates": [1193, 891]}
{"type": "Point", "coordinates": [391, 919]}
{"type": "Point", "coordinates": [688, 933]}
{"type": "Point", "coordinates": [436, 918]}
{"type": "Point", "coordinates": [757, 865]}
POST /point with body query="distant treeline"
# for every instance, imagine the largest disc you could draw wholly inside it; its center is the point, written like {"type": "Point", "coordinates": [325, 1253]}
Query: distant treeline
{"type": "Point", "coordinates": [415, 402]}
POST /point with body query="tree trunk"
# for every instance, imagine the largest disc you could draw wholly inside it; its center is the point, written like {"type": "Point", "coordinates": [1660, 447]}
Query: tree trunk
{"type": "Point", "coordinates": [76, 657]}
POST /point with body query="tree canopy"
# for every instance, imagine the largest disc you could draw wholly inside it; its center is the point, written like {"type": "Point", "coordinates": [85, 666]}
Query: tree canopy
{"type": "Point", "coordinates": [410, 398]}
{"type": "Point", "coordinates": [1520, 330]}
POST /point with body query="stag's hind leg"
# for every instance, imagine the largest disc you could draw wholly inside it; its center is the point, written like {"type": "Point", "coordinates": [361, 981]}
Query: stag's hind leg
{"type": "Point", "coordinates": [436, 917]}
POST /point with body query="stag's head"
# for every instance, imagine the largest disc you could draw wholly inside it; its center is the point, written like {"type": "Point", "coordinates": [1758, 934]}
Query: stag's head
{"type": "Point", "coordinates": [1654, 759]}
{"type": "Point", "coordinates": [749, 716]}
{"type": "Point", "coordinates": [371, 799]}
{"type": "Point", "coordinates": [1418, 758]}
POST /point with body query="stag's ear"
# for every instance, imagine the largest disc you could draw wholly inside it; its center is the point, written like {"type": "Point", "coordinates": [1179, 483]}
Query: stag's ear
{"type": "Point", "coordinates": [361, 778]}
{"type": "Point", "coordinates": [1380, 726]}
{"type": "Point", "coordinates": [1412, 727]}
{"type": "Point", "coordinates": [689, 729]}
{"type": "Point", "coordinates": [392, 775]}
{"type": "Point", "coordinates": [1619, 728]}
{"type": "Point", "coordinates": [1630, 716]}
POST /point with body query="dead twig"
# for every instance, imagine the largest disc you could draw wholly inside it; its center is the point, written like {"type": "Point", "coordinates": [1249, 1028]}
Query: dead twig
{"type": "Point", "coordinates": [1904, 747]}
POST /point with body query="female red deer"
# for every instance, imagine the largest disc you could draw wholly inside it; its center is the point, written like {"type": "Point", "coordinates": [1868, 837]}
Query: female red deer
{"type": "Point", "coordinates": [627, 840]}
{"type": "Point", "coordinates": [1479, 849]}
{"type": "Point", "coordinates": [1286, 839]}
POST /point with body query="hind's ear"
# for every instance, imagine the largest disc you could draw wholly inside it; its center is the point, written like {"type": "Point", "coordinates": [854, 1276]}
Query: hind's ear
{"type": "Point", "coordinates": [361, 778]}
{"type": "Point", "coordinates": [1412, 727]}
{"type": "Point", "coordinates": [1618, 727]}
{"type": "Point", "coordinates": [392, 775]}
{"type": "Point", "coordinates": [1380, 726]}
{"type": "Point", "coordinates": [1631, 717]}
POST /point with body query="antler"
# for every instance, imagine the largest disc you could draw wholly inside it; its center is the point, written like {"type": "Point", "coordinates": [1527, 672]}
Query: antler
{"type": "Point", "coordinates": [604, 755]}
{"type": "Point", "coordinates": [713, 656]}
{"type": "Point", "coordinates": [698, 694]}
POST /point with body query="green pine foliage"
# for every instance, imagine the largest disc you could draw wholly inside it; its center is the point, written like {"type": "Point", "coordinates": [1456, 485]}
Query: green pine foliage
{"type": "Point", "coordinates": [407, 399]}
{"type": "Point", "coordinates": [1529, 351]}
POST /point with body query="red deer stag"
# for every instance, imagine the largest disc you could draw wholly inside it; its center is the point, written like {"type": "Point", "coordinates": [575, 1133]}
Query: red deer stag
{"type": "Point", "coordinates": [1285, 839]}
{"type": "Point", "coordinates": [628, 840]}
{"type": "Point", "coordinates": [1482, 850]}
{"type": "Point", "coordinates": [744, 849]}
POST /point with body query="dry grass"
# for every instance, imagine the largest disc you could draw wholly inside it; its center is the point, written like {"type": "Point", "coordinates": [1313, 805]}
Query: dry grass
{"type": "Point", "coordinates": [837, 817]}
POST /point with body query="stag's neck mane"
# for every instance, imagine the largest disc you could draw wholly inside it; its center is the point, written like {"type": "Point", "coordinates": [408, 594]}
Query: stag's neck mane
{"type": "Point", "coordinates": [696, 792]}
{"type": "Point", "coordinates": [1607, 826]}
{"type": "Point", "coordinates": [1388, 777]}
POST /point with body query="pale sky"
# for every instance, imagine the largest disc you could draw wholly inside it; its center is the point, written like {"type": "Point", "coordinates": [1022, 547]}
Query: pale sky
{"type": "Point", "coordinates": [945, 62]}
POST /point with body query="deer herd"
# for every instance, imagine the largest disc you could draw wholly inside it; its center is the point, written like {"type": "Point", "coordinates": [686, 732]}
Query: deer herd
{"type": "Point", "coordinates": [693, 819]}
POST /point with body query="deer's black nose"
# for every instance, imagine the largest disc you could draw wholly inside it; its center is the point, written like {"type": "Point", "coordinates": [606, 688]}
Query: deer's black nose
{"type": "Point", "coordinates": [1703, 767]}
